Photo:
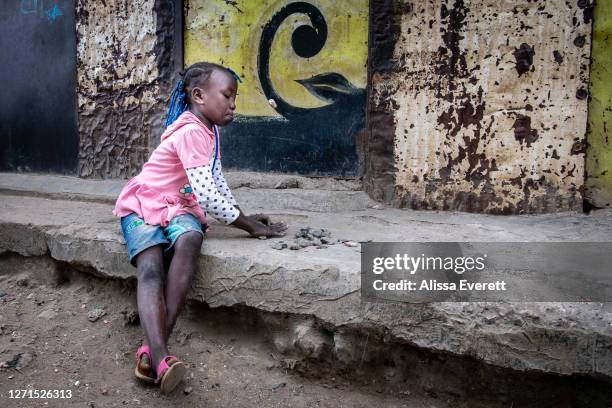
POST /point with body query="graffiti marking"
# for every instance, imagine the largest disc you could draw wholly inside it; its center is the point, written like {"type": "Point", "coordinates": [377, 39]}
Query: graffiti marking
{"type": "Point", "coordinates": [37, 7]}
{"type": "Point", "coordinates": [54, 13]}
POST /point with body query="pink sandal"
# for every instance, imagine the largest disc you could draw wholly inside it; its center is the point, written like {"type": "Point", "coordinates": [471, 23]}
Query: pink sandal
{"type": "Point", "coordinates": [139, 371]}
{"type": "Point", "coordinates": [170, 372]}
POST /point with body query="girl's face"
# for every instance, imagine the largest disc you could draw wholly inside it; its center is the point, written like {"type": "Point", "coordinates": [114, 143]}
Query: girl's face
{"type": "Point", "coordinates": [217, 100]}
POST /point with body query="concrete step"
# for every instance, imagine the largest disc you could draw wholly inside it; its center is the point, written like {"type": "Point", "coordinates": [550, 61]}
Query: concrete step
{"type": "Point", "coordinates": [278, 191]}
{"type": "Point", "coordinates": [323, 284]}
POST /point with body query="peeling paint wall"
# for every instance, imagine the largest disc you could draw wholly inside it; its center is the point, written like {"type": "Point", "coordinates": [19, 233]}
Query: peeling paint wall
{"type": "Point", "coordinates": [124, 67]}
{"type": "Point", "coordinates": [599, 153]}
{"type": "Point", "coordinates": [488, 101]}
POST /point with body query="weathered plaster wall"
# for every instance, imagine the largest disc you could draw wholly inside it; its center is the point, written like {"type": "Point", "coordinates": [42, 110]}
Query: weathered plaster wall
{"type": "Point", "coordinates": [599, 153]}
{"type": "Point", "coordinates": [124, 65]}
{"type": "Point", "coordinates": [488, 101]}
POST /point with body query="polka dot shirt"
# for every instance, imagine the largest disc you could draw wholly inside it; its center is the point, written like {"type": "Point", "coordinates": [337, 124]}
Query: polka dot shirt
{"type": "Point", "coordinates": [212, 193]}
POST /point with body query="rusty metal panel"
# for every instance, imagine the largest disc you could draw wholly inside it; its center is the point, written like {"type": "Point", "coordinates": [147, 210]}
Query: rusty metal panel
{"type": "Point", "coordinates": [599, 153]}
{"type": "Point", "coordinates": [490, 103]}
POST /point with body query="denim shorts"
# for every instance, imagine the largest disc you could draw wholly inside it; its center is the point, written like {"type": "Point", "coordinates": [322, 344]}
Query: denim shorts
{"type": "Point", "coordinates": [140, 236]}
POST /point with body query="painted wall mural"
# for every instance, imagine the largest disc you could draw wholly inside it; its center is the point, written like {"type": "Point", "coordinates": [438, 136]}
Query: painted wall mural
{"type": "Point", "coordinates": [310, 57]}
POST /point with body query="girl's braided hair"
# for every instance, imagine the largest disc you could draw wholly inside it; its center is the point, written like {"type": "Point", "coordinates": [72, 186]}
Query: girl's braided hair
{"type": "Point", "coordinates": [198, 73]}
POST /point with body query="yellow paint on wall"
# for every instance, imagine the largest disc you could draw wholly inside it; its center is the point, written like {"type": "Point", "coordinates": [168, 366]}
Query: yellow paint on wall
{"type": "Point", "coordinates": [599, 153]}
{"type": "Point", "coordinates": [229, 34]}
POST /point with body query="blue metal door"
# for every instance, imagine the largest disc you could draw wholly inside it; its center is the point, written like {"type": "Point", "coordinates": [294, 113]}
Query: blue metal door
{"type": "Point", "coordinates": [38, 117]}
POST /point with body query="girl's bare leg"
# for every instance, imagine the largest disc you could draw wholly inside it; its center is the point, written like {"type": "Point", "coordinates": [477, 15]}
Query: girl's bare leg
{"type": "Point", "coordinates": [151, 301]}
{"type": "Point", "coordinates": [182, 268]}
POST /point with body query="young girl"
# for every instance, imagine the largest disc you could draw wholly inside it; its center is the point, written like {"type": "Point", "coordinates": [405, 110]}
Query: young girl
{"type": "Point", "coordinates": [163, 210]}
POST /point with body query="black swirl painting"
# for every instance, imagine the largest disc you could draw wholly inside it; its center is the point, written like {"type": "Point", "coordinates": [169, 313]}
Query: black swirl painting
{"type": "Point", "coordinates": [309, 58]}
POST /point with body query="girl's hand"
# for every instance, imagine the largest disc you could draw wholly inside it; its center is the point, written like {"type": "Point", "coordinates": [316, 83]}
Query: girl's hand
{"type": "Point", "coordinates": [263, 218]}
{"type": "Point", "coordinates": [260, 225]}
{"type": "Point", "coordinates": [276, 229]}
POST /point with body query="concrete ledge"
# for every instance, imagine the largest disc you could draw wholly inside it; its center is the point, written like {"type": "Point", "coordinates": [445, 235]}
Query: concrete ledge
{"type": "Point", "coordinates": [280, 191]}
{"type": "Point", "coordinates": [324, 283]}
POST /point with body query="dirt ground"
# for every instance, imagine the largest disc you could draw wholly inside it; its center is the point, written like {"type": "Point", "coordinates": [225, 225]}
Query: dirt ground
{"type": "Point", "coordinates": [47, 341]}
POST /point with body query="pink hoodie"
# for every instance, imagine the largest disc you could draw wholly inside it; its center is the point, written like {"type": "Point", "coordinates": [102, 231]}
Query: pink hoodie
{"type": "Point", "coordinates": [161, 191]}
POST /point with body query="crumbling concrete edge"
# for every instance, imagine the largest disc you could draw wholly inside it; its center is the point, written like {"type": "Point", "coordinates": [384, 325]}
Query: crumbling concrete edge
{"type": "Point", "coordinates": [556, 339]}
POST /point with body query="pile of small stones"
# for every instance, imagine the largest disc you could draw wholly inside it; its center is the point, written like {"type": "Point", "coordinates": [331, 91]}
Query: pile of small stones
{"type": "Point", "coordinates": [316, 237]}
